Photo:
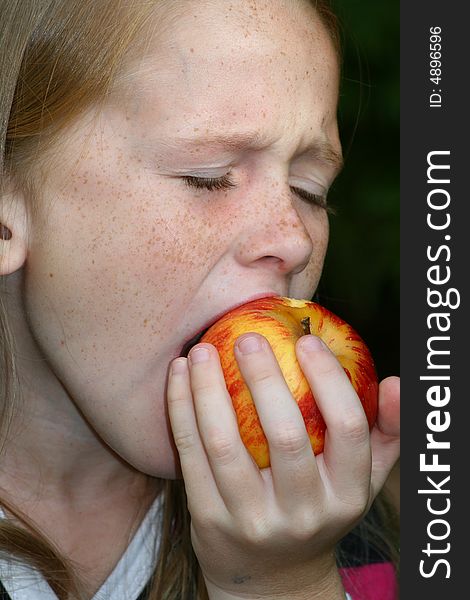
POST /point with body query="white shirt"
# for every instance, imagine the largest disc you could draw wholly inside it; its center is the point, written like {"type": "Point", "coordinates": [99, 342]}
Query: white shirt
{"type": "Point", "coordinates": [126, 581]}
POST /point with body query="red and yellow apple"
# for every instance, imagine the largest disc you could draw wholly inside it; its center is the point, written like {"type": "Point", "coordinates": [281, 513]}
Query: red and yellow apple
{"type": "Point", "coordinates": [282, 321]}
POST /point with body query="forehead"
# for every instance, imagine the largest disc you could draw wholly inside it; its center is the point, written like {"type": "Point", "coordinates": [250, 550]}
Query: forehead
{"type": "Point", "coordinates": [268, 24]}
{"type": "Point", "coordinates": [234, 35]}
{"type": "Point", "coordinates": [217, 60]}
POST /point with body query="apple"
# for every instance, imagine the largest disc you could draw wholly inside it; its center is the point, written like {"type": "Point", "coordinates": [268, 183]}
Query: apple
{"type": "Point", "coordinates": [282, 321]}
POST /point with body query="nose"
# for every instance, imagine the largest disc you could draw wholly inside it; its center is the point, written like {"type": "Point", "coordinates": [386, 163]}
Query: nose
{"type": "Point", "coordinates": [274, 235]}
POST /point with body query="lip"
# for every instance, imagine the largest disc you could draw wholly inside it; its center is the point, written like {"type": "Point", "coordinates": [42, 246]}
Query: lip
{"type": "Point", "coordinates": [219, 315]}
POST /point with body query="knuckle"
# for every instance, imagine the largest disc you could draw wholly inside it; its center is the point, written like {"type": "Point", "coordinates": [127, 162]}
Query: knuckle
{"type": "Point", "coordinates": [262, 377]}
{"type": "Point", "coordinates": [352, 510]}
{"type": "Point", "coordinates": [185, 441]}
{"type": "Point", "coordinates": [256, 532]}
{"type": "Point", "coordinates": [355, 428]}
{"type": "Point", "coordinates": [325, 364]}
{"type": "Point", "coordinates": [353, 505]}
{"type": "Point", "coordinates": [304, 526]}
{"type": "Point", "coordinates": [222, 448]}
{"type": "Point", "coordinates": [176, 395]}
{"type": "Point", "coordinates": [289, 438]}
{"type": "Point", "coordinates": [202, 386]}
{"type": "Point", "coordinates": [204, 517]}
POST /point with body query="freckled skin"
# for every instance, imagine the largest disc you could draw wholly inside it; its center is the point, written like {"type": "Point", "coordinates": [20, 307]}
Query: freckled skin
{"type": "Point", "coordinates": [126, 260]}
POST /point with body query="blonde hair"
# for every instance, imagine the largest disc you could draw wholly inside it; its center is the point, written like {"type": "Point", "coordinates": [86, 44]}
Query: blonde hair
{"type": "Point", "coordinates": [54, 63]}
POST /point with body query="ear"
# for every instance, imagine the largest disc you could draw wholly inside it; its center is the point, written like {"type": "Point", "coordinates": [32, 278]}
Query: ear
{"type": "Point", "coordinates": [13, 231]}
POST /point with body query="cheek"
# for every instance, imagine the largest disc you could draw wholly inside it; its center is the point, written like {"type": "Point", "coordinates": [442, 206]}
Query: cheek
{"type": "Point", "coordinates": [113, 266]}
{"type": "Point", "coordinates": [305, 283]}
{"type": "Point", "coordinates": [321, 240]}
{"type": "Point", "coordinates": [103, 288]}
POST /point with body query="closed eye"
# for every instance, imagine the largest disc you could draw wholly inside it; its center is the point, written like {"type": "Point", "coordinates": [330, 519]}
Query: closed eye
{"type": "Point", "coordinates": [210, 183]}
{"type": "Point", "coordinates": [316, 199]}
{"type": "Point", "coordinates": [226, 182]}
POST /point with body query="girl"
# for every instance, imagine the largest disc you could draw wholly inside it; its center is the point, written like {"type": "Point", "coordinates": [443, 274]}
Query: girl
{"type": "Point", "coordinates": [164, 161]}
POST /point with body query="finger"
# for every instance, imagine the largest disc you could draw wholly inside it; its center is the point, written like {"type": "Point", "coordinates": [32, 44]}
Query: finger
{"type": "Point", "coordinates": [385, 435]}
{"type": "Point", "coordinates": [346, 456]}
{"type": "Point", "coordinates": [199, 482]}
{"type": "Point", "coordinates": [236, 475]}
{"type": "Point", "coordinates": [294, 471]}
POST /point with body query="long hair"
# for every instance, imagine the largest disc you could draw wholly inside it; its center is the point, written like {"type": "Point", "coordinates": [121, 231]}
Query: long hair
{"type": "Point", "coordinates": [55, 61]}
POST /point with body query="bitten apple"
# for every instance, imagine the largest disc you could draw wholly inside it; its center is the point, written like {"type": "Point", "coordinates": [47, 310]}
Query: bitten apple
{"type": "Point", "coordinates": [282, 321]}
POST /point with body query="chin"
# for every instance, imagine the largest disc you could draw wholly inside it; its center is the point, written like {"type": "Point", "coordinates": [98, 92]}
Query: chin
{"type": "Point", "coordinates": [156, 460]}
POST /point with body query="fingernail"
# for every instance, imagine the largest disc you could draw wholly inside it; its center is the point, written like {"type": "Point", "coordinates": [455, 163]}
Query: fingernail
{"type": "Point", "coordinates": [178, 366]}
{"type": "Point", "coordinates": [249, 344]}
{"type": "Point", "coordinates": [199, 355]}
{"type": "Point", "coordinates": [311, 343]}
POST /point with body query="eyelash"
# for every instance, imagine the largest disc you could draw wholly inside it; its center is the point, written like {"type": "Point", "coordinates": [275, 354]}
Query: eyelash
{"type": "Point", "coordinates": [209, 183]}
{"type": "Point", "coordinates": [225, 183]}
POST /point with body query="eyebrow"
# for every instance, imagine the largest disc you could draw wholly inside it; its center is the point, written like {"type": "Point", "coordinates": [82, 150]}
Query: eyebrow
{"type": "Point", "coordinates": [321, 149]}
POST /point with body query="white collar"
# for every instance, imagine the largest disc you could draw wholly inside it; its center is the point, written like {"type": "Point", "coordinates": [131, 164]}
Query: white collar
{"type": "Point", "coordinates": [126, 581]}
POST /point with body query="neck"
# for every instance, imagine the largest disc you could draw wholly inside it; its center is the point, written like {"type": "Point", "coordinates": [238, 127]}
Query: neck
{"type": "Point", "coordinates": [60, 478]}
{"type": "Point", "coordinates": [52, 454]}
{"type": "Point", "coordinates": [91, 530]}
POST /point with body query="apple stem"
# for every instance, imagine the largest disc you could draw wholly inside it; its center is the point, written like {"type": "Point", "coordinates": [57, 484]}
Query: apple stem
{"type": "Point", "coordinates": [306, 325]}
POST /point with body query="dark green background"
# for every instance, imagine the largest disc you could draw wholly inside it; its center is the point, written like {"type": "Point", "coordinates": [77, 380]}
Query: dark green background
{"type": "Point", "coordinates": [361, 276]}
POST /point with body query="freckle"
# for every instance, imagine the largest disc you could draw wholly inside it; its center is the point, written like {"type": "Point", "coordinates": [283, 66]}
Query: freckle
{"type": "Point", "coordinates": [51, 274]}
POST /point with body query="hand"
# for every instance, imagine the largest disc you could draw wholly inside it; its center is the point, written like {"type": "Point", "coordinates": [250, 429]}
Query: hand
{"type": "Point", "coordinates": [272, 532]}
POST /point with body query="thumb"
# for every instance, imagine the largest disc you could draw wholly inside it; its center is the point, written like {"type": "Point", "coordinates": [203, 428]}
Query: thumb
{"type": "Point", "coordinates": [385, 435]}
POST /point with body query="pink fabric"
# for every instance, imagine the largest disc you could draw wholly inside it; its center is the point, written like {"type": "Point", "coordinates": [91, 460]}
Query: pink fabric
{"type": "Point", "coordinates": [371, 582]}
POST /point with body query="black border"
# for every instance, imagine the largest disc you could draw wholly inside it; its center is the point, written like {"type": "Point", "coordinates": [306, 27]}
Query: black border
{"type": "Point", "coordinates": [425, 129]}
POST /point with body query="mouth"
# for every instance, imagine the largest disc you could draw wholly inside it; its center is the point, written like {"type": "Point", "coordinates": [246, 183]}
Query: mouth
{"type": "Point", "coordinates": [198, 335]}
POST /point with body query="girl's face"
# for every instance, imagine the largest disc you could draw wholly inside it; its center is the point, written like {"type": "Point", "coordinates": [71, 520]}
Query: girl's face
{"type": "Point", "coordinates": [128, 259]}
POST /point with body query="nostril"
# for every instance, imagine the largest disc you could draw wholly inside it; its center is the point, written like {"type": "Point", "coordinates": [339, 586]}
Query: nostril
{"type": "Point", "coordinates": [272, 259]}
{"type": "Point", "coordinates": [5, 233]}
{"type": "Point", "coordinates": [284, 266]}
